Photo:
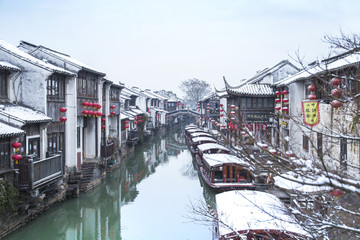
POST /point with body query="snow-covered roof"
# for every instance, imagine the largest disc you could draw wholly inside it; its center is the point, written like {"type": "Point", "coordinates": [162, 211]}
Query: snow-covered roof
{"type": "Point", "coordinates": [302, 184]}
{"type": "Point", "coordinates": [208, 146]}
{"type": "Point", "coordinates": [192, 130]}
{"type": "Point", "coordinates": [331, 64]}
{"type": "Point", "coordinates": [244, 210]}
{"type": "Point", "coordinates": [8, 66]}
{"type": "Point", "coordinates": [197, 134]}
{"type": "Point", "coordinates": [8, 48]}
{"type": "Point", "coordinates": [9, 131]}
{"type": "Point", "coordinates": [129, 92]}
{"type": "Point", "coordinates": [216, 159]}
{"type": "Point", "coordinates": [261, 74]}
{"type": "Point", "coordinates": [190, 126]}
{"type": "Point", "coordinates": [200, 139]}
{"type": "Point", "coordinates": [252, 90]}
{"type": "Point", "coordinates": [65, 57]}
{"type": "Point", "coordinates": [127, 115]}
{"type": "Point", "coordinates": [136, 111]}
{"type": "Point", "coordinates": [23, 114]}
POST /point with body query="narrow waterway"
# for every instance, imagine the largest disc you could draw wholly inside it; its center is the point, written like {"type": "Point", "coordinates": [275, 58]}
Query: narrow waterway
{"type": "Point", "coordinates": [147, 198]}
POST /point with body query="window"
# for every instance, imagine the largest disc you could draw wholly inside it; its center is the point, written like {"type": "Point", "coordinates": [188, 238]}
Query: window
{"type": "Point", "coordinates": [243, 103]}
{"type": "Point", "coordinates": [306, 143]}
{"type": "Point", "coordinates": [4, 153]}
{"type": "Point", "coordinates": [55, 142]}
{"type": "Point", "coordinates": [78, 136]}
{"type": "Point", "coordinates": [3, 85]}
{"type": "Point", "coordinates": [260, 103]}
{"type": "Point", "coordinates": [87, 85]}
{"type": "Point", "coordinates": [343, 153]}
{"type": "Point", "coordinates": [56, 88]}
{"type": "Point", "coordinates": [34, 146]}
{"type": "Point", "coordinates": [114, 94]}
{"type": "Point", "coordinates": [248, 103]}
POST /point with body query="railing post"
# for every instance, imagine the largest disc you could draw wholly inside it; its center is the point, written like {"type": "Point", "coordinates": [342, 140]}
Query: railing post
{"type": "Point", "coordinates": [31, 173]}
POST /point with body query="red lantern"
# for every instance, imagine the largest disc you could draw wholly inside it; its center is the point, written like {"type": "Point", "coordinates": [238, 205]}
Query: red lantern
{"type": "Point", "coordinates": [90, 104]}
{"type": "Point", "coordinates": [285, 92]}
{"type": "Point", "coordinates": [336, 81]}
{"type": "Point", "coordinates": [90, 113]}
{"type": "Point", "coordinates": [127, 126]}
{"type": "Point", "coordinates": [103, 119]}
{"type": "Point", "coordinates": [278, 108]}
{"type": "Point", "coordinates": [85, 112]}
{"type": "Point", "coordinates": [232, 107]}
{"type": "Point", "coordinates": [312, 88]}
{"type": "Point", "coordinates": [243, 133]}
{"type": "Point", "coordinates": [63, 110]}
{"type": "Point", "coordinates": [221, 115]}
{"type": "Point", "coordinates": [85, 104]}
{"type": "Point", "coordinates": [112, 113]}
{"type": "Point", "coordinates": [16, 145]}
{"type": "Point", "coordinates": [221, 110]}
{"type": "Point", "coordinates": [336, 193]}
{"type": "Point", "coordinates": [97, 105]}
{"type": "Point", "coordinates": [126, 122]}
{"type": "Point", "coordinates": [285, 109]}
{"type": "Point", "coordinates": [285, 100]}
{"type": "Point", "coordinates": [63, 119]}
{"type": "Point", "coordinates": [16, 158]}
{"type": "Point", "coordinates": [336, 104]}
{"type": "Point", "coordinates": [336, 92]}
{"type": "Point", "coordinates": [112, 107]}
{"type": "Point", "coordinates": [103, 127]}
{"type": "Point", "coordinates": [232, 113]}
{"type": "Point", "coordinates": [99, 114]}
{"type": "Point", "coordinates": [221, 105]}
{"type": "Point", "coordinates": [277, 100]}
{"type": "Point", "coordinates": [312, 97]}
{"type": "Point", "coordinates": [277, 93]}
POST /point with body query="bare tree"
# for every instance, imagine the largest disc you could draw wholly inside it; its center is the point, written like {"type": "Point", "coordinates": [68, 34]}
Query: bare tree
{"type": "Point", "coordinates": [194, 90]}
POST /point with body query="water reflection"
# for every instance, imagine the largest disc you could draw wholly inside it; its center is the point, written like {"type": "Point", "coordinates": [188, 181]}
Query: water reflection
{"type": "Point", "coordinates": [144, 199]}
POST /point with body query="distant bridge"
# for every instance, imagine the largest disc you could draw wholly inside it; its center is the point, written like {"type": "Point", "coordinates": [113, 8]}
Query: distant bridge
{"type": "Point", "coordinates": [180, 112]}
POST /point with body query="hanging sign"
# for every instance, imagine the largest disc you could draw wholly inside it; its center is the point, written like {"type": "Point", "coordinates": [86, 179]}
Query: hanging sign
{"type": "Point", "coordinates": [311, 113]}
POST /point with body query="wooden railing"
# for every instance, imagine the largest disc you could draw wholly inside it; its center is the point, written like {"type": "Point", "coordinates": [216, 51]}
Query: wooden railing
{"type": "Point", "coordinates": [33, 174]}
{"type": "Point", "coordinates": [107, 150]}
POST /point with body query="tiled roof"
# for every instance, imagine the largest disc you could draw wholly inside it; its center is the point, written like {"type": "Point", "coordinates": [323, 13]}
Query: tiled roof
{"type": "Point", "coordinates": [65, 57]}
{"type": "Point", "coordinates": [8, 66]}
{"type": "Point", "coordinates": [9, 131]}
{"type": "Point", "coordinates": [331, 64]}
{"type": "Point", "coordinates": [252, 90]}
{"type": "Point", "coordinates": [8, 48]}
{"type": "Point", "coordinates": [23, 114]}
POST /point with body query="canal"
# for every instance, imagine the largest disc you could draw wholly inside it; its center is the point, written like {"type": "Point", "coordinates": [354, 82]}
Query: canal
{"type": "Point", "coordinates": [148, 197]}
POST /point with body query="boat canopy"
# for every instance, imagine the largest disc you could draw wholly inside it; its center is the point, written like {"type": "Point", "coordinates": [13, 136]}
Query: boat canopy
{"type": "Point", "coordinates": [209, 146]}
{"type": "Point", "coordinates": [246, 211]}
{"type": "Point", "coordinates": [218, 159]}
{"type": "Point", "coordinates": [200, 139]}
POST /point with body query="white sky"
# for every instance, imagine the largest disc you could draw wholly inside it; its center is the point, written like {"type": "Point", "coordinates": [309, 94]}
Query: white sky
{"type": "Point", "coordinates": [157, 44]}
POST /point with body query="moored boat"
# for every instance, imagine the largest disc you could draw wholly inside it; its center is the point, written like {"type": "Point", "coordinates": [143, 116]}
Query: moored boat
{"type": "Point", "coordinates": [243, 214]}
{"type": "Point", "coordinates": [209, 148]}
{"type": "Point", "coordinates": [224, 172]}
{"type": "Point", "coordinates": [194, 142]}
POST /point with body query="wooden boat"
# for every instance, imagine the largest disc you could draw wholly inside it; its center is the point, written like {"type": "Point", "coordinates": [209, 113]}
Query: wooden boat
{"type": "Point", "coordinates": [224, 172]}
{"type": "Point", "coordinates": [193, 130]}
{"type": "Point", "coordinates": [243, 214]}
{"type": "Point", "coordinates": [209, 148]}
{"type": "Point", "coordinates": [194, 142]}
{"type": "Point", "coordinates": [199, 134]}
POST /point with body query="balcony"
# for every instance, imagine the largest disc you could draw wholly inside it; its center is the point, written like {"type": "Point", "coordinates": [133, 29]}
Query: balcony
{"type": "Point", "coordinates": [107, 150]}
{"type": "Point", "coordinates": [35, 173]}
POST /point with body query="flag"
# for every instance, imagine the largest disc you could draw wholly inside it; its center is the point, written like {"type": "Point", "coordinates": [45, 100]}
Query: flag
{"type": "Point", "coordinates": [311, 112]}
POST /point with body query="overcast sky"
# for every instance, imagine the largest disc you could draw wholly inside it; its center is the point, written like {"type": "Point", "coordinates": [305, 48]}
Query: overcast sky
{"type": "Point", "coordinates": [157, 44]}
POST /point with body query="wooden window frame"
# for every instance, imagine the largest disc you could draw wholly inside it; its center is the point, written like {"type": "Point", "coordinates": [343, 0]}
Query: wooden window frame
{"type": "Point", "coordinates": [4, 84]}
{"type": "Point", "coordinates": [56, 89]}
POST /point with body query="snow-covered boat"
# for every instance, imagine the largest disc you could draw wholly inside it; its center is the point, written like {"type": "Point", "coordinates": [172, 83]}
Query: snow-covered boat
{"type": "Point", "coordinates": [209, 148]}
{"type": "Point", "coordinates": [243, 214]}
{"type": "Point", "coordinates": [224, 172]}
{"type": "Point", "coordinates": [194, 142]}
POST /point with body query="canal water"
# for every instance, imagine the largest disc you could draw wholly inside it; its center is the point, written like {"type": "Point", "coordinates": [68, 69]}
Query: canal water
{"type": "Point", "coordinates": [148, 197]}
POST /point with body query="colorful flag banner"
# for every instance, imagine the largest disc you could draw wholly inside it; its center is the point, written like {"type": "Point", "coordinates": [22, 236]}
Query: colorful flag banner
{"type": "Point", "coordinates": [311, 113]}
